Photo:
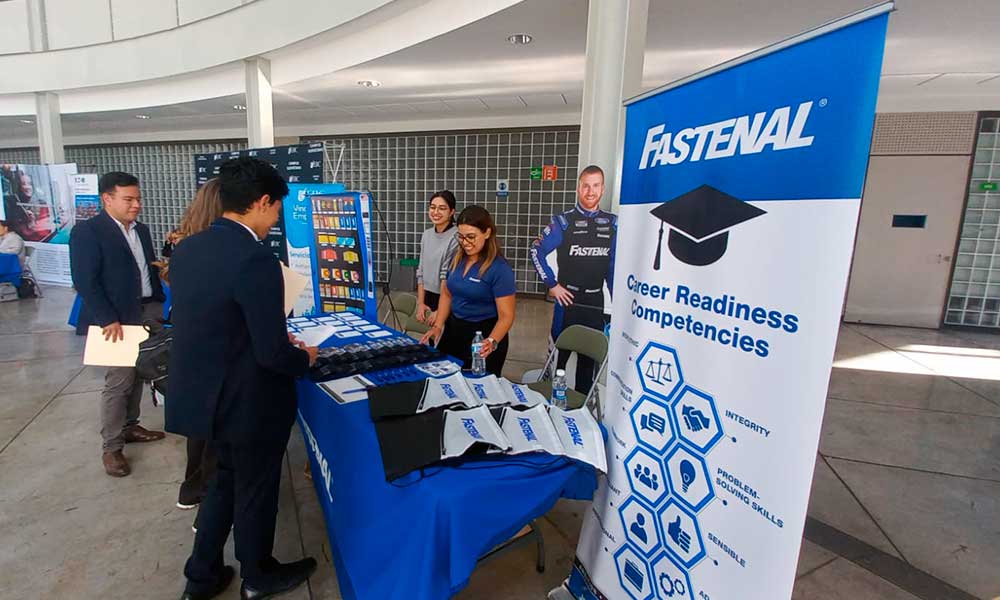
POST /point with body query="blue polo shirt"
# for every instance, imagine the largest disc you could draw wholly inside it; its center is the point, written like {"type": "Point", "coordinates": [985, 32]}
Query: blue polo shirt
{"type": "Point", "coordinates": [474, 294]}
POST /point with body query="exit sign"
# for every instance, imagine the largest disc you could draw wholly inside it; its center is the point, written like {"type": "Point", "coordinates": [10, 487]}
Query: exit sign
{"type": "Point", "coordinates": [988, 186]}
{"type": "Point", "coordinates": [536, 172]}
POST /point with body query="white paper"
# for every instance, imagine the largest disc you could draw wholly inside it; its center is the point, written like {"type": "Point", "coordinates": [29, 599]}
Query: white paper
{"type": "Point", "coordinates": [316, 335]}
{"type": "Point", "coordinates": [347, 389]}
{"type": "Point", "coordinates": [294, 284]}
{"type": "Point", "coordinates": [123, 353]}
{"type": "Point", "coordinates": [379, 334]}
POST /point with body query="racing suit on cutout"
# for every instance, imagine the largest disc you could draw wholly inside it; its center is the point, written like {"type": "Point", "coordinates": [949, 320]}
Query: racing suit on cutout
{"type": "Point", "coordinates": [584, 243]}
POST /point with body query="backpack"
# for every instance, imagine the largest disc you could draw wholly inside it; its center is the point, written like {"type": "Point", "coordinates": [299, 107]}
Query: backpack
{"type": "Point", "coordinates": [154, 357]}
{"type": "Point", "coordinates": [28, 289]}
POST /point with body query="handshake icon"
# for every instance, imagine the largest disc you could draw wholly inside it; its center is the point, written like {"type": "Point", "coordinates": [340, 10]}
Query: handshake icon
{"type": "Point", "coordinates": [694, 419]}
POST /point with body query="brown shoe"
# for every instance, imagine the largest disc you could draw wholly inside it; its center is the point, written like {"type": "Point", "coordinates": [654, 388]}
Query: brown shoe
{"type": "Point", "coordinates": [137, 434]}
{"type": "Point", "coordinates": [115, 464]}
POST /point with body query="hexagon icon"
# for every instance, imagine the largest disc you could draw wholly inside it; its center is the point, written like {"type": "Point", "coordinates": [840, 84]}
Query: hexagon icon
{"type": "Point", "coordinates": [681, 534]}
{"type": "Point", "coordinates": [697, 420]}
{"type": "Point", "coordinates": [670, 580]}
{"type": "Point", "coordinates": [689, 478]}
{"type": "Point", "coordinates": [646, 476]}
{"type": "Point", "coordinates": [652, 424]}
{"type": "Point", "coordinates": [659, 370]}
{"type": "Point", "coordinates": [633, 574]}
{"type": "Point", "coordinates": [639, 525]}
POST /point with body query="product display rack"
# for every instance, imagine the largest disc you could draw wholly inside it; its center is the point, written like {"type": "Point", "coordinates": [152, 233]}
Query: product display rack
{"type": "Point", "coordinates": [340, 269]}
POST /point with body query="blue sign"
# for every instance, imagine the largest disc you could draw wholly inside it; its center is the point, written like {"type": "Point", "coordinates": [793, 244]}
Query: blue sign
{"type": "Point", "coordinates": [788, 112]}
{"type": "Point", "coordinates": [328, 235]}
{"type": "Point", "coordinates": [740, 195]}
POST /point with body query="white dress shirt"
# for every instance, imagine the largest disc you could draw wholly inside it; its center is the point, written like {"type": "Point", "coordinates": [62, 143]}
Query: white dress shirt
{"type": "Point", "coordinates": [252, 232]}
{"type": "Point", "coordinates": [132, 237]}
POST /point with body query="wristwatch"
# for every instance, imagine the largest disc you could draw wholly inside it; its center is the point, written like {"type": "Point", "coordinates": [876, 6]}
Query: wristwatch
{"type": "Point", "coordinates": [493, 342]}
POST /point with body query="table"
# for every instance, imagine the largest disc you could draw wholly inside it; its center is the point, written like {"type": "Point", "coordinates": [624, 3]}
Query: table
{"type": "Point", "coordinates": [10, 269]}
{"type": "Point", "coordinates": [420, 536]}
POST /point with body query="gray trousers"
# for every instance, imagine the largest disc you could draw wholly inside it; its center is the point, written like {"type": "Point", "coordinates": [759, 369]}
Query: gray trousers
{"type": "Point", "coordinates": [121, 395]}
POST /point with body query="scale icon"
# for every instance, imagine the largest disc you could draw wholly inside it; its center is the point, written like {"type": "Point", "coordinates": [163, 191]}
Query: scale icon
{"type": "Point", "coordinates": [659, 372]}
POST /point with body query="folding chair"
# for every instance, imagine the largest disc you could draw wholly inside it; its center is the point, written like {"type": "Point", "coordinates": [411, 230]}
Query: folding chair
{"type": "Point", "coordinates": [403, 318]}
{"type": "Point", "coordinates": [583, 341]}
{"type": "Point", "coordinates": [402, 306]}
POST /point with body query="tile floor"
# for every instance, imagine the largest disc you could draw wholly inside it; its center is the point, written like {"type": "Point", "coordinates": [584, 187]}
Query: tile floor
{"type": "Point", "coordinates": [908, 471]}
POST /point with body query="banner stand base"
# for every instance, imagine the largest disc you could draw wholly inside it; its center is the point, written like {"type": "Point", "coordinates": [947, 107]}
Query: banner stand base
{"type": "Point", "coordinates": [560, 593]}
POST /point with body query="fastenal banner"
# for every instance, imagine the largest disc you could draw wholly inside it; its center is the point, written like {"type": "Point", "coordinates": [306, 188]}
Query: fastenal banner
{"type": "Point", "coordinates": [740, 196]}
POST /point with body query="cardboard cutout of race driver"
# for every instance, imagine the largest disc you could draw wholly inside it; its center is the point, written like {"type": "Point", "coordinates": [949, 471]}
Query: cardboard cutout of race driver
{"type": "Point", "coordinates": [583, 240]}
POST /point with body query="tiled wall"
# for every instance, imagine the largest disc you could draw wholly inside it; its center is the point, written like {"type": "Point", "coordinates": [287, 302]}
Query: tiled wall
{"type": "Point", "coordinates": [975, 289]}
{"type": "Point", "coordinates": [400, 170]}
{"type": "Point", "coordinates": [403, 171]}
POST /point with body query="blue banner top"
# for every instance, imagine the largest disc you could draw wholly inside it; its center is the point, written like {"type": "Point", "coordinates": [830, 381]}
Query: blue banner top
{"type": "Point", "coordinates": [793, 124]}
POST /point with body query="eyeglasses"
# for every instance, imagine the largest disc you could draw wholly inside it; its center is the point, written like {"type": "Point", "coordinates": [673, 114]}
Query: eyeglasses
{"type": "Point", "coordinates": [467, 237]}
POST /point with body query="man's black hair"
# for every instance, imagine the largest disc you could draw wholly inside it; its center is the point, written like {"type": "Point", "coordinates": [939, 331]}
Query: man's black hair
{"type": "Point", "coordinates": [243, 181]}
{"type": "Point", "coordinates": [109, 181]}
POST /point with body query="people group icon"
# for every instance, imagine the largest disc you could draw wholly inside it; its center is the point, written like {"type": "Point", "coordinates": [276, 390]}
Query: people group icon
{"type": "Point", "coordinates": [646, 476]}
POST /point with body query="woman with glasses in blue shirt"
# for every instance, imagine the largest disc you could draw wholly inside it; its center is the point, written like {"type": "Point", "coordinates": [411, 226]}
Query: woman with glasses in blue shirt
{"type": "Point", "coordinates": [478, 295]}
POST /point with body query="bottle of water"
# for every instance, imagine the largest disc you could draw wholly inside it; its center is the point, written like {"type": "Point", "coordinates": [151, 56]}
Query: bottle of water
{"type": "Point", "coordinates": [559, 389]}
{"type": "Point", "coordinates": [478, 362]}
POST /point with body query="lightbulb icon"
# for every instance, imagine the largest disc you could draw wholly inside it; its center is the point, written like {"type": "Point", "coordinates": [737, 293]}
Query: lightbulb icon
{"type": "Point", "coordinates": [687, 474]}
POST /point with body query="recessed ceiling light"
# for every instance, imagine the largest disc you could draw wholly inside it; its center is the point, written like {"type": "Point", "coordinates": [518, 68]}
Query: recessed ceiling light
{"type": "Point", "coordinates": [239, 107]}
{"type": "Point", "coordinates": [519, 39]}
{"type": "Point", "coordinates": [142, 117]}
{"type": "Point", "coordinates": [27, 121]}
{"type": "Point", "coordinates": [369, 83]}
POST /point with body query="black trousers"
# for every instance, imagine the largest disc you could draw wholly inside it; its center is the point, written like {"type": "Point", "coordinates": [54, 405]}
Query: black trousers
{"type": "Point", "coordinates": [457, 341]}
{"type": "Point", "coordinates": [243, 496]}
{"type": "Point", "coordinates": [431, 300]}
{"type": "Point", "coordinates": [588, 310]}
{"type": "Point", "coordinates": [198, 473]}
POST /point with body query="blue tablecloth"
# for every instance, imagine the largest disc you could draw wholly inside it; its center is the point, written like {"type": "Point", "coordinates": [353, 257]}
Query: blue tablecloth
{"type": "Point", "coordinates": [419, 537]}
{"type": "Point", "coordinates": [10, 269]}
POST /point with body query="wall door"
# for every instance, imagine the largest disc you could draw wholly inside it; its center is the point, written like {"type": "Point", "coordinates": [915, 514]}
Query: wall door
{"type": "Point", "coordinates": [910, 215]}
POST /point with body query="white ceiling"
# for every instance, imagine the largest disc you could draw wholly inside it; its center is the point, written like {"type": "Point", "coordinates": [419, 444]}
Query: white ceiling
{"type": "Point", "coordinates": [939, 56]}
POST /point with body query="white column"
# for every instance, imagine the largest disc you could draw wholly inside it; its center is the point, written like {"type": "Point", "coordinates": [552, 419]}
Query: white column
{"type": "Point", "coordinates": [616, 44]}
{"type": "Point", "coordinates": [48, 121]}
{"type": "Point", "coordinates": [49, 124]}
{"type": "Point", "coordinates": [38, 33]}
{"type": "Point", "coordinates": [260, 116]}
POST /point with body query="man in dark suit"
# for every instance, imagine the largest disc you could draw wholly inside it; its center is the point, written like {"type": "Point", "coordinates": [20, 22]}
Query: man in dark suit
{"type": "Point", "coordinates": [111, 258]}
{"type": "Point", "coordinates": [232, 370]}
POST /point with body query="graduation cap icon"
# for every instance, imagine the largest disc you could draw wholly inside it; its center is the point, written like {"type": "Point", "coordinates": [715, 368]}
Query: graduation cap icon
{"type": "Point", "coordinates": [699, 222]}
